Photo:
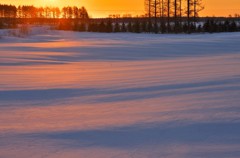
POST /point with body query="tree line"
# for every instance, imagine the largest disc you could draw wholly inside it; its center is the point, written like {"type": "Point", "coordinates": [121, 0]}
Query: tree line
{"type": "Point", "coordinates": [145, 26]}
{"type": "Point", "coordinates": [162, 16]}
{"type": "Point", "coordinates": [25, 11]}
{"type": "Point", "coordinates": [173, 9]}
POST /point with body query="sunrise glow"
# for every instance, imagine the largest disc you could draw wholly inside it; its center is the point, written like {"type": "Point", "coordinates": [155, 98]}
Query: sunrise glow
{"type": "Point", "coordinates": [102, 8]}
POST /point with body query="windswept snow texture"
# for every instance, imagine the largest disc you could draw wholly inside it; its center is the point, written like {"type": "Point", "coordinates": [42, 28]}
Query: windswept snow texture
{"type": "Point", "coordinates": [87, 95]}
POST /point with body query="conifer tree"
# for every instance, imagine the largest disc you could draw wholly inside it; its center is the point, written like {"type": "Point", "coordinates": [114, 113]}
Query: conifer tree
{"type": "Point", "coordinates": [130, 27]}
{"type": "Point", "coordinates": [116, 27]}
{"type": "Point", "coordinates": [109, 27]}
{"type": "Point", "coordinates": [102, 27]}
{"type": "Point", "coordinates": [136, 27]}
{"type": "Point", "coordinates": [123, 28]}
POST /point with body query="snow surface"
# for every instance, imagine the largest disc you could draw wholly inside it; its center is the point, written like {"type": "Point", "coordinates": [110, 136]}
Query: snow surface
{"type": "Point", "coordinates": [93, 95]}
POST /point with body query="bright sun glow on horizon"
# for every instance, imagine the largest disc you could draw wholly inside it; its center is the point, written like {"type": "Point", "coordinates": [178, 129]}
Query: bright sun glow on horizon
{"type": "Point", "coordinates": [50, 2]}
{"type": "Point", "coordinates": [102, 8]}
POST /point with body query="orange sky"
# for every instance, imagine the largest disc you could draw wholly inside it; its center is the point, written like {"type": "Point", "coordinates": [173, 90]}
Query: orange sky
{"type": "Point", "coordinates": [102, 8]}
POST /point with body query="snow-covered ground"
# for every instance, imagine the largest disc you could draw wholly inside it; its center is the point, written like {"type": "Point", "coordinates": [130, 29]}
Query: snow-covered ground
{"type": "Point", "coordinates": [88, 95]}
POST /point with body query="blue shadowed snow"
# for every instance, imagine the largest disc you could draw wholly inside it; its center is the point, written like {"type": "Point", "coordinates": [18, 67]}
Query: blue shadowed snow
{"type": "Point", "coordinates": [68, 94]}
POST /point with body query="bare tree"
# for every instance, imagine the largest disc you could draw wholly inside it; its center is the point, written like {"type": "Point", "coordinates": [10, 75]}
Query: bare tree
{"type": "Point", "coordinates": [188, 14]}
{"type": "Point", "coordinates": [168, 14]}
{"type": "Point", "coordinates": [148, 9]}
{"type": "Point", "coordinates": [180, 10]}
{"type": "Point", "coordinates": [197, 7]}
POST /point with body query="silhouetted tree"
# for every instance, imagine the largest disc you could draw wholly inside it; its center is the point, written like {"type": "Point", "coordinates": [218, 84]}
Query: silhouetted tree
{"type": "Point", "coordinates": [199, 28]}
{"type": "Point", "coordinates": [102, 27]}
{"type": "Point", "coordinates": [116, 27]}
{"type": "Point", "coordinates": [136, 27]}
{"type": "Point", "coordinates": [233, 27]}
{"type": "Point", "coordinates": [8, 11]}
{"type": "Point", "coordinates": [123, 28]}
{"type": "Point", "coordinates": [82, 27]}
{"type": "Point", "coordinates": [130, 27]}
{"type": "Point", "coordinates": [1, 25]}
{"type": "Point", "coordinates": [163, 27]}
{"type": "Point", "coordinates": [177, 27]}
{"type": "Point", "coordinates": [197, 7]}
{"type": "Point", "coordinates": [168, 15]}
{"type": "Point", "coordinates": [144, 26]}
{"type": "Point", "coordinates": [188, 14]}
{"type": "Point", "coordinates": [149, 26]}
{"type": "Point", "coordinates": [109, 27]}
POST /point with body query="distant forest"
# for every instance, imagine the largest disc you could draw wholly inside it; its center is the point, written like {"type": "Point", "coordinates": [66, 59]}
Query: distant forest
{"type": "Point", "coordinates": [11, 11]}
{"type": "Point", "coordinates": [162, 16]}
